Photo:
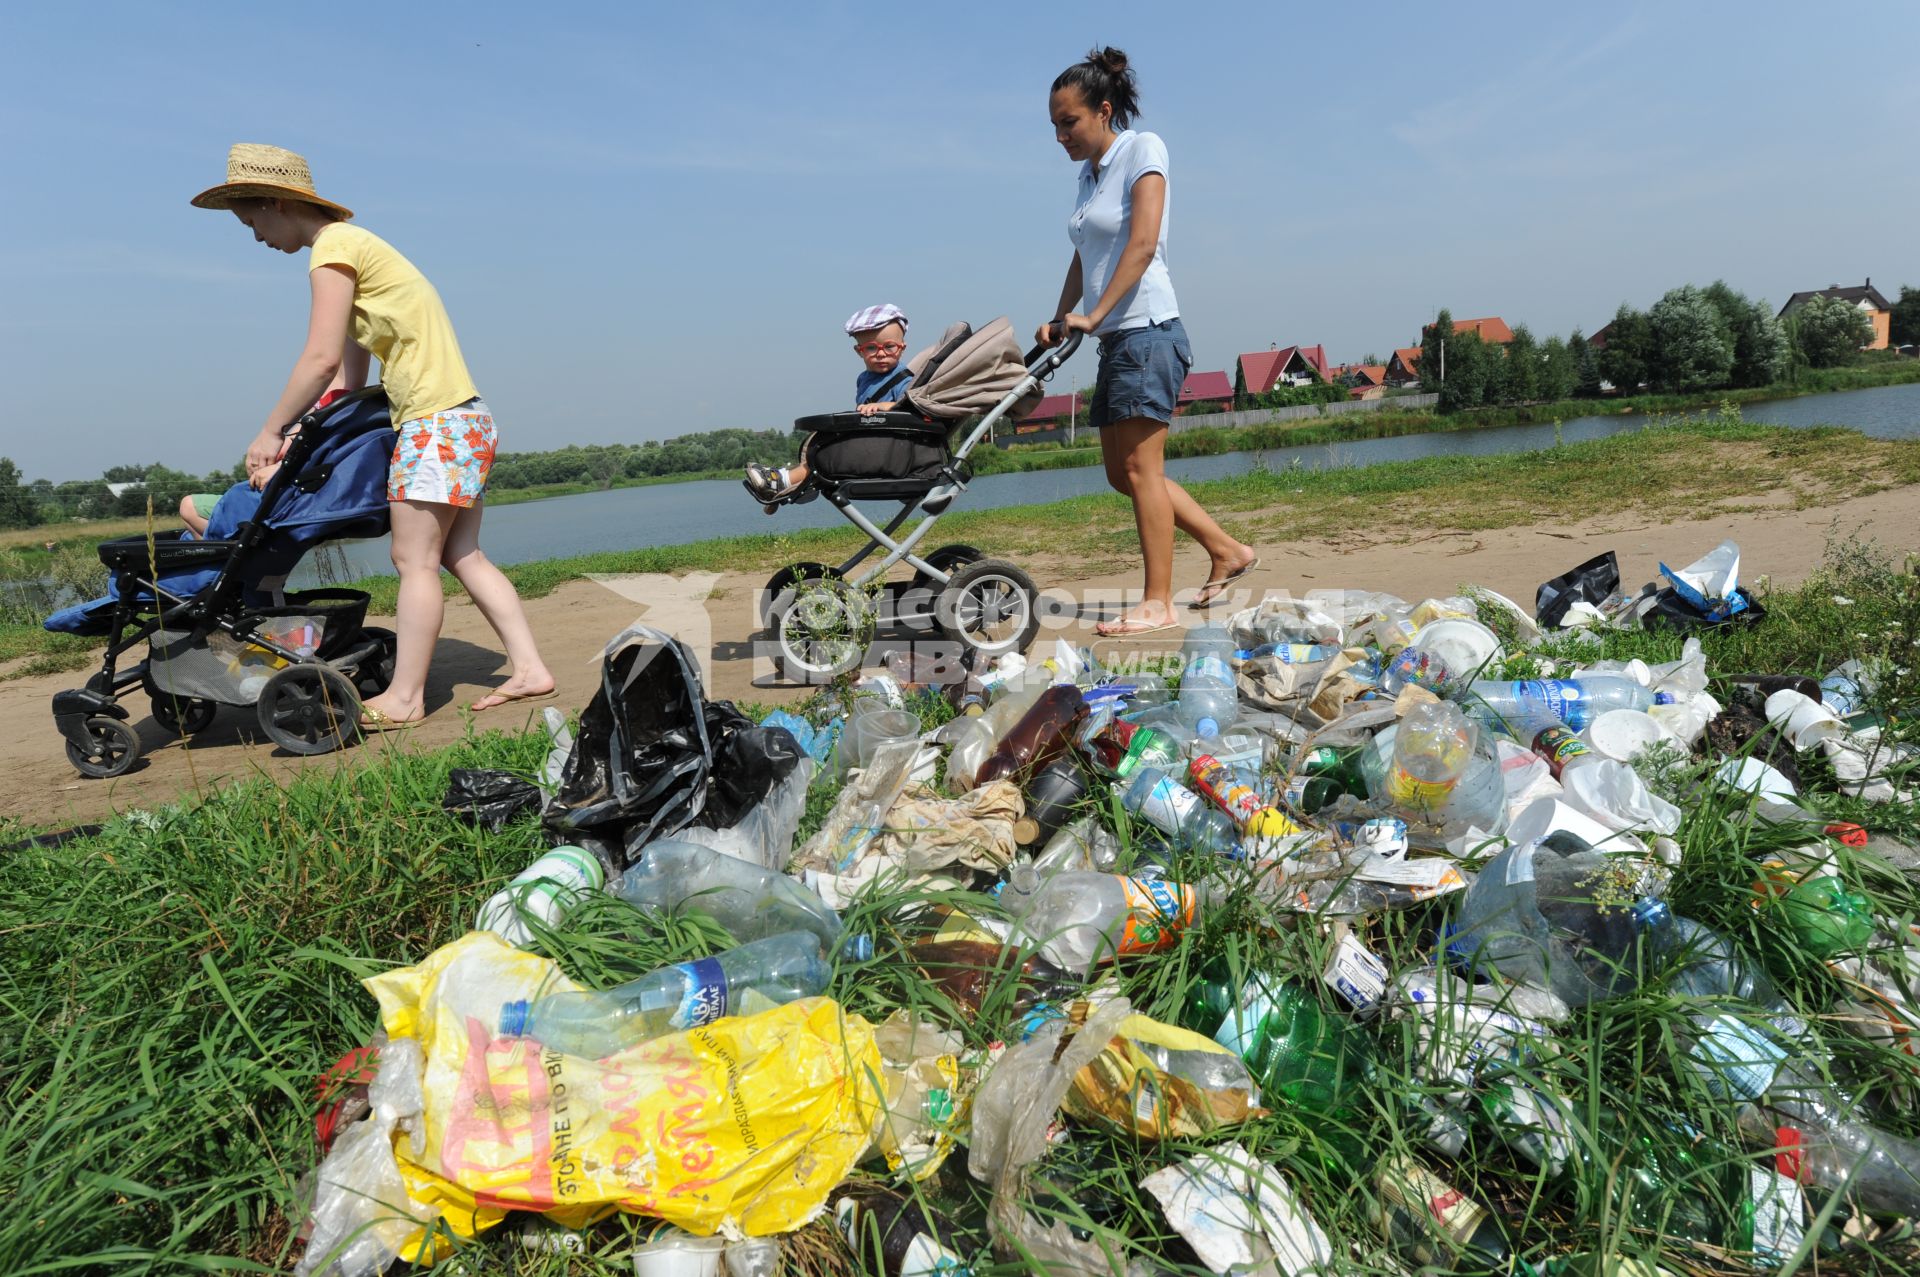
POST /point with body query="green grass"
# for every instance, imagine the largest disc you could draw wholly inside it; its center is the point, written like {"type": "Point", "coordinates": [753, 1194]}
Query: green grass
{"type": "Point", "coordinates": [173, 985]}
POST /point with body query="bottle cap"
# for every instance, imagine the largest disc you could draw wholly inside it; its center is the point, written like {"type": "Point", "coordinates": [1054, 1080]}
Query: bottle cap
{"type": "Point", "coordinates": [1650, 911]}
{"type": "Point", "coordinates": [859, 948]}
{"type": "Point", "coordinates": [1207, 727]}
{"type": "Point", "coordinates": [513, 1018]}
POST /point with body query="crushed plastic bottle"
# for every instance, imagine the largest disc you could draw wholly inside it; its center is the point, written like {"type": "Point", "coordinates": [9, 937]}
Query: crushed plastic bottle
{"type": "Point", "coordinates": [752, 903]}
{"type": "Point", "coordinates": [1077, 920]}
{"type": "Point", "coordinates": [1181, 814]}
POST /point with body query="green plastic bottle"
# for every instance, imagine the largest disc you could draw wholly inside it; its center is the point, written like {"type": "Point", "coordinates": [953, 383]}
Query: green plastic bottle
{"type": "Point", "coordinates": [1826, 918]}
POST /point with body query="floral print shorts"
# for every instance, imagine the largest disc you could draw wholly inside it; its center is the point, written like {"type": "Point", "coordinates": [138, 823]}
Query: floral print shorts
{"type": "Point", "coordinates": [444, 457]}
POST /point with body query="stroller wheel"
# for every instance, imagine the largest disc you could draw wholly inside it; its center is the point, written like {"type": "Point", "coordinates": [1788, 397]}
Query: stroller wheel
{"type": "Point", "coordinates": [376, 671]}
{"type": "Point", "coordinates": [179, 715]}
{"type": "Point", "coordinates": [784, 580]}
{"type": "Point", "coordinates": [822, 627]}
{"type": "Point", "coordinates": [309, 709]}
{"type": "Point", "coordinates": [949, 559]}
{"type": "Point", "coordinates": [113, 748]}
{"type": "Point", "coordinates": [991, 606]}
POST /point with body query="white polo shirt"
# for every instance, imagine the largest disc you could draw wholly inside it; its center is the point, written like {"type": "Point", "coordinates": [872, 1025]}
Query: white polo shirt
{"type": "Point", "coordinates": [1101, 222]}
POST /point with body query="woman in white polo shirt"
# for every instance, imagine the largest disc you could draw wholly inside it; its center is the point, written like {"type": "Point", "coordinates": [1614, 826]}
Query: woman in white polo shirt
{"type": "Point", "coordinates": [1119, 234]}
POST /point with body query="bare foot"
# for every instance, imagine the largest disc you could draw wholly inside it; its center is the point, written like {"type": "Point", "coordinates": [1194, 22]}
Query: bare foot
{"type": "Point", "coordinates": [529, 687]}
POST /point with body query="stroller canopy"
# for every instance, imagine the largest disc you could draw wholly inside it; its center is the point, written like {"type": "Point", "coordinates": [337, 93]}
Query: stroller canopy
{"type": "Point", "coordinates": [966, 373]}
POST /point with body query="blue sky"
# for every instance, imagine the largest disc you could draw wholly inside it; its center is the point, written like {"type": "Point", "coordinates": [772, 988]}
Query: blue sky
{"type": "Point", "coordinates": [650, 220]}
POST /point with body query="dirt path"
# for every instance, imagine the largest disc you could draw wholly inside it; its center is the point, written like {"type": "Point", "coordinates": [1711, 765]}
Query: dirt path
{"type": "Point", "coordinates": [715, 614]}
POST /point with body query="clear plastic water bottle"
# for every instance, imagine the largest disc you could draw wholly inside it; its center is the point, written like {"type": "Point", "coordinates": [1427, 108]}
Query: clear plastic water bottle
{"type": "Point", "coordinates": [1700, 962]}
{"type": "Point", "coordinates": [1574, 701]}
{"type": "Point", "coordinates": [752, 903]}
{"type": "Point", "coordinates": [545, 890]}
{"type": "Point", "coordinates": [1209, 699]}
{"type": "Point", "coordinates": [1178, 812]}
{"type": "Point", "coordinates": [1078, 919]}
{"type": "Point", "coordinates": [780, 969]}
{"type": "Point", "coordinates": [1290, 653]}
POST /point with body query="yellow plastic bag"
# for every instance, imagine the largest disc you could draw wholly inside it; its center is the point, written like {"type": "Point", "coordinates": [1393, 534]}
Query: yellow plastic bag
{"type": "Point", "coordinates": [743, 1125]}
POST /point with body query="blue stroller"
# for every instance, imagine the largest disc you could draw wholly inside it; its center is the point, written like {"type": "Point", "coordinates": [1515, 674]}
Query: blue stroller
{"type": "Point", "coordinates": [219, 631]}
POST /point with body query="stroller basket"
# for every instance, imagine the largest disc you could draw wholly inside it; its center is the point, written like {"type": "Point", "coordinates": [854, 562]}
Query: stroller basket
{"type": "Point", "coordinates": [225, 668]}
{"type": "Point", "coordinates": [887, 455]}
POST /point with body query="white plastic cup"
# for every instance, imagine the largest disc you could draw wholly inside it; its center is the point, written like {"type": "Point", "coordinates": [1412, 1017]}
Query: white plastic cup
{"type": "Point", "coordinates": [679, 1254]}
{"type": "Point", "coordinates": [1803, 720]}
{"type": "Point", "coordinates": [1755, 777]}
{"type": "Point", "coordinates": [1625, 734]}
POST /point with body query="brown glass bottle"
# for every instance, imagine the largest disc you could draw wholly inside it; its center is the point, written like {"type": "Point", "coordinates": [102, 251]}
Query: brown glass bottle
{"type": "Point", "coordinates": [1042, 734]}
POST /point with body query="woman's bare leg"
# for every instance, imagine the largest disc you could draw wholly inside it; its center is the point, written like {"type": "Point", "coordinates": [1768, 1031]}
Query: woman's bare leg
{"type": "Point", "coordinates": [500, 603]}
{"type": "Point", "coordinates": [1135, 455]}
{"type": "Point", "coordinates": [420, 531]}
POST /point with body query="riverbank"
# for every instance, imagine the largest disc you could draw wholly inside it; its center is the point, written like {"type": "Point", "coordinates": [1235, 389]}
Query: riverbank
{"type": "Point", "coordinates": [1411, 529]}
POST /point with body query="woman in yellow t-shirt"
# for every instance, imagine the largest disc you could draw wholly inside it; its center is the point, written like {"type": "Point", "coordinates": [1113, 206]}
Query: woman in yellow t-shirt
{"type": "Point", "coordinates": [368, 300]}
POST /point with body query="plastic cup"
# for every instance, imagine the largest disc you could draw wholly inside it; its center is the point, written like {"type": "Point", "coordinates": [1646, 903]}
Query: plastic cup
{"type": "Point", "coordinates": [1755, 777]}
{"type": "Point", "coordinates": [866, 733]}
{"type": "Point", "coordinates": [1465, 646]}
{"type": "Point", "coordinates": [1803, 720]}
{"type": "Point", "coordinates": [1625, 734]}
{"type": "Point", "coordinates": [679, 1255]}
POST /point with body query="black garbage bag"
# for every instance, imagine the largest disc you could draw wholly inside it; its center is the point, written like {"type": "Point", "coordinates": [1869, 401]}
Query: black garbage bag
{"type": "Point", "coordinates": [1671, 610]}
{"type": "Point", "coordinates": [642, 758]}
{"type": "Point", "coordinates": [1594, 581]}
{"type": "Point", "coordinates": [748, 761]}
{"type": "Point", "coordinates": [486, 797]}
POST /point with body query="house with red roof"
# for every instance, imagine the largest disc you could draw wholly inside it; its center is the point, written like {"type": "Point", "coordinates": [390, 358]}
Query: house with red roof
{"type": "Point", "coordinates": [1051, 409]}
{"type": "Point", "coordinates": [1205, 388]}
{"type": "Point", "coordinates": [1363, 381]}
{"type": "Point", "coordinates": [1404, 368]}
{"type": "Point", "coordinates": [1493, 330]}
{"type": "Point", "coordinates": [1261, 371]}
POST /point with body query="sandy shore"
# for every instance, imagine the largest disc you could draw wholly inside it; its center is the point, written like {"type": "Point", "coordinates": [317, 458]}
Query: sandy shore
{"type": "Point", "coordinates": [715, 613]}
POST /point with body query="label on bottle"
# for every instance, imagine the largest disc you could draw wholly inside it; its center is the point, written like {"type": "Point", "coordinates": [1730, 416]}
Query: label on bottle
{"type": "Point", "coordinates": [1209, 668]}
{"type": "Point", "coordinates": [1736, 1058]}
{"type": "Point", "coordinates": [1405, 789]}
{"type": "Point", "coordinates": [1168, 805]}
{"type": "Point", "coordinates": [1779, 1214]}
{"type": "Point", "coordinates": [1385, 837]}
{"type": "Point", "coordinates": [1356, 974]}
{"type": "Point", "coordinates": [1157, 910]}
{"type": "Point", "coordinates": [704, 996]}
{"type": "Point", "coordinates": [1216, 780]}
{"type": "Point", "coordinates": [1425, 877]}
{"type": "Point", "coordinates": [1559, 746]}
{"type": "Point", "coordinates": [1565, 699]}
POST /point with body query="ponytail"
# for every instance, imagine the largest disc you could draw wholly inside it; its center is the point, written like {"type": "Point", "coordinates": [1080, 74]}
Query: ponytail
{"type": "Point", "coordinates": [1104, 77]}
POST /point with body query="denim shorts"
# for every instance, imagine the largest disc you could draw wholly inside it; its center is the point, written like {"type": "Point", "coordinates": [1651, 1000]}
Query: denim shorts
{"type": "Point", "coordinates": [1141, 372]}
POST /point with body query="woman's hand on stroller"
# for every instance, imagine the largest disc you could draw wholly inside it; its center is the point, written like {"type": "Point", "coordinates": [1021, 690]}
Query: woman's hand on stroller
{"type": "Point", "coordinates": [1055, 331]}
{"type": "Point", "coordinates": [264, 453]}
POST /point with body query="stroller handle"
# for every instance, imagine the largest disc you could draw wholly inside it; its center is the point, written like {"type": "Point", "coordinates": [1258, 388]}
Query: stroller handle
{"type": "Point", "coordinates": [1044, 361]}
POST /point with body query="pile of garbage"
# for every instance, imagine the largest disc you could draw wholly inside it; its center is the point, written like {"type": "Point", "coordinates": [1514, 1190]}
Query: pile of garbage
{"type": "Point", "coordinates": [1371, 886]}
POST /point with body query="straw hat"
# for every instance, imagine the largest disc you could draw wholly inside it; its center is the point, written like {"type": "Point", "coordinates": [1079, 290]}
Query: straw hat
{"type": "Point", "coordinates": [257, 171]}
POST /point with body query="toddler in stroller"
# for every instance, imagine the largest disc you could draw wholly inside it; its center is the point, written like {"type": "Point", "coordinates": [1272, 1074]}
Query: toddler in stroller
{"type": "Point", "coordinates": [821, 616]}
{"type": "Point", "coordinates": [879, 338]}
{"type": "Point", "coordinates": [217, 629]}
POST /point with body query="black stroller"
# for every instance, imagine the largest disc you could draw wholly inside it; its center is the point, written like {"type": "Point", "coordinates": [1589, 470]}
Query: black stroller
{"type": "Point", "coordinates": [821, 618]}
{"type": "Point", "coordinates": [219, 632]}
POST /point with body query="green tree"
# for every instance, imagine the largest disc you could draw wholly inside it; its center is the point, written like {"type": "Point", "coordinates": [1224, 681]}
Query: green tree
{"type": "Point", "coordinates": [1759, 343]}
{"type": "Point", "coordinates": [1691, 346]}
{"type": "Point", "coordinates": [1905, 328]}
{"type": "Point", "coordinates": [1557, 370]}
{"type": "Point", "coordinates": [18, 509]}
{"type": "Point", "coordinates": [1832, 331]}
{"type": "Point", "coordinates": [1473, 373]}
{"type": "Point", "coordinates": [1586, 367]}
{"type": "Point", "coordinates": [1624, 359]}
{"type": "Point", "coordinates": [1433, 341]}
{"type": "Point", "coordinates": [1519, 373]}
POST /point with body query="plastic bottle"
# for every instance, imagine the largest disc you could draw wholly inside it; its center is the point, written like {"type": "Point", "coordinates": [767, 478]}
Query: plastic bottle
{"type": "Point", "coordinates": [1041, 735]}
{"type": "Point", "coordinates": [1318, 777]}
{"type": "Point", "coordinates": [1561, 748]}
{"type": "Point", "coordinates": [1417, 667]}
{"type": "Point", "coordinates": [752, 903]}
{"type": "Point", "coordinates": [1121, 748]}
{"type": "Point", "coordinates": [894, 1238]}
{"type": "Point", "coordinates": [979, 736]}
{"type": "Point", "coordinates": [969, 971]}
{"type": "Point", "coordinates": [782, 968]}
{"type": "Point", "coordinates": [1699, 962]}
{"type": "Point", "coordinates": [1055, 792]}
{"type": "Point", "coordinates": [1077, 919]}
{"type": "Point", "coordinates": [1290, 653]}
{"type": "Point", "coordinates": [547, 890]}
{"type": "Point", "coordinates": [1005, 670]}
{"type": "Point", "coordinates": [1178, 812]}
{"type": "Point", "coordinates": [1432, 747]}
{"type": "Point", "coordinates": [1575, 702]}
{"type": "Point", "coordinates": [1238, 795]}
{"type": "Point", "coordinates": [1847, 689]}
{"type": "Point", "coordinates": [1209, 699]}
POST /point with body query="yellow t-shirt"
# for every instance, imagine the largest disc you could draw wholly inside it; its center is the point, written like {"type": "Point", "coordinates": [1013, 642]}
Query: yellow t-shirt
{"type": "Point", "coordinates": [399, 319]}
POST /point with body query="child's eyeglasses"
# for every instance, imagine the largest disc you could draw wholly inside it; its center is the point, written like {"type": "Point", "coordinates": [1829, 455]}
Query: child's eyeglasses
{"type": "Point", "coordinates": [880, 348]}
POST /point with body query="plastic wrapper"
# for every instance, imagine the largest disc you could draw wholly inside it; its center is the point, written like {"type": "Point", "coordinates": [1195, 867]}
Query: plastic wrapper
{"type": "Point", "coordinates": [1240, 1215]}
{"type": "Point", "coordinates": [858, 813]}
{"type": "Point", "coordinates": [764, 834]}
{"type": "Point", "coordinates": [742, 1125]}
{"type": "Point", "coordinates": [362, 1217]}
{"type": "Point", "coordinates": [1158, 1081]}
{"type": "Point", "coordinates": [928, 1090]}
{"type": "Point", "coordinates": [487, 798]}
{"type": "Point", "coordinates": [1592, 582]}
{"type": "Point", "coordinates": [749, 762]}
{"type": "Point", "coordinates": [1614, 795]}
{"type": "Point", "coordinates": [924, 831]}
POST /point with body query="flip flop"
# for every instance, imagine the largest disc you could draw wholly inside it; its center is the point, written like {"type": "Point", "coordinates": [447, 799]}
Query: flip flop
{"type": "Point", "coordinates": [1219, 587]}
{"type": "Point", "coordinates": [1132, 629]}
{"type": "Point", "coordinates": [509, 698]}
{"type": "Point", "coordinates": [374, 719]}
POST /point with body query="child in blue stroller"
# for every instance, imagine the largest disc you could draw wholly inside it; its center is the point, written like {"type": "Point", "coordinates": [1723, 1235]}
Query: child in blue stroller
{"type": "Point", "coordinates": [218, 629]}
